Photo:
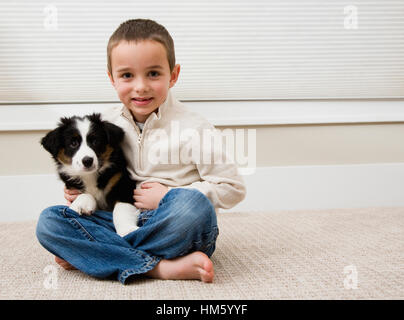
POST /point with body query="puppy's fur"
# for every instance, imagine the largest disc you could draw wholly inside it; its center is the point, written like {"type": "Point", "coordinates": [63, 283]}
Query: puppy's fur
{"type": "Point", "coordinates": [89, 158]}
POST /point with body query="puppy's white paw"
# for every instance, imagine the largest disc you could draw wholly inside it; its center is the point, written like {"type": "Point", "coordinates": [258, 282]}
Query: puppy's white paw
{"type": "Point", "coordinates": [84, 204]}
{"type": "Point", "coordinates": [125, 217]}
{"type": "Point", "coordinates": [124, 231]}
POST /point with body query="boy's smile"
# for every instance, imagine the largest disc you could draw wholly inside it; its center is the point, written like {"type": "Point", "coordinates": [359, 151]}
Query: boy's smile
{"type": "Point", "coordinates": [141, 76]}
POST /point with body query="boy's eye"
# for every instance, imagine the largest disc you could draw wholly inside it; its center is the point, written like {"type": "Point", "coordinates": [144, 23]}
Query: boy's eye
{"type": "Point", "coordinates": [153, 74]}
{"type": "Point", "coordinates": [126, 75]}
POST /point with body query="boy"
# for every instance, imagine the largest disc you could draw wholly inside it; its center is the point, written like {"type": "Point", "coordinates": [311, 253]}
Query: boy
{"type": "Point", "coordinates": [178, 226]}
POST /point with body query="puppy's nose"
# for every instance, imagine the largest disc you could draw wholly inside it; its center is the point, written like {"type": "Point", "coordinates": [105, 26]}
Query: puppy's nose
{"type": "Point", "coordinates": [87, 161]}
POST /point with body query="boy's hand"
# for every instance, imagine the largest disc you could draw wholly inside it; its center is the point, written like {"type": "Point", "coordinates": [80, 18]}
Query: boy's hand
{"type": "Point", "coordinates": [149, 196]}
{"type": "Point", "coordinates": [71, 195]}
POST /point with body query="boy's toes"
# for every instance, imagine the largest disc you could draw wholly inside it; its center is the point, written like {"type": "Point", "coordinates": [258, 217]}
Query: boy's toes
{"type": "Point", "coordinates": [64, 264]}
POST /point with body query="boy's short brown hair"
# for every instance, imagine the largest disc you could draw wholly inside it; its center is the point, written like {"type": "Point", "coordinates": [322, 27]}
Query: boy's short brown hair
{"type": "Point", "coordinates": [142, 29]}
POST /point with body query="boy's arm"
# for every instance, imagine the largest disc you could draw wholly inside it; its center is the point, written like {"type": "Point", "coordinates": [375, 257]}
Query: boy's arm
{"type": "Point", "coordinates": [221, 184]}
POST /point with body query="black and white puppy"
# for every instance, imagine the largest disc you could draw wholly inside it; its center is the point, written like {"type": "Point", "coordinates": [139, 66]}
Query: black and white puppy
{"type": "Point", "coordinates": [89, 158]}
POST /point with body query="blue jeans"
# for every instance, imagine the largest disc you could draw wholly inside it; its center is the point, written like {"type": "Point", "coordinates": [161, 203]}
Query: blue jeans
{"type": "Point", "coordinates": [185, 221]}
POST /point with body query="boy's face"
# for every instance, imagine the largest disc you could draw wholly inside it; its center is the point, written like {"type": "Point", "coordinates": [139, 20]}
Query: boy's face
{"type": "Point", "coordinates": [141, 76]}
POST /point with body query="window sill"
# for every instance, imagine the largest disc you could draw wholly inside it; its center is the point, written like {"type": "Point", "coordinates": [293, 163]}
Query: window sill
{"type": "Point", "coordinates": [27, 117]}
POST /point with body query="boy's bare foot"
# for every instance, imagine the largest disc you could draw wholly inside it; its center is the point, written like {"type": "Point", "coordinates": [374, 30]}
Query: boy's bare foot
{"type": "Point", "coordinates": [64, 264]}
{"type": "Point", "coordinates": [196, 265]}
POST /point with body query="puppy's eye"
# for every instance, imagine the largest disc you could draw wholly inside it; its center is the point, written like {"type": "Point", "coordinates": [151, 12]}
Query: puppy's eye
{"type": "Point", "coordinates": [74, 144]}
{"type": "Point", "coordinates": [93, 141]}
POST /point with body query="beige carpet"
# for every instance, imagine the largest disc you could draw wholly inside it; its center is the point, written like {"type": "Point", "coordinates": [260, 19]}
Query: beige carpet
{"type": "Point", "coordinates": [260, 255]}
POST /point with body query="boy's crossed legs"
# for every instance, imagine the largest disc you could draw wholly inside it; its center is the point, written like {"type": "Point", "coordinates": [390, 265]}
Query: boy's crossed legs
{"type": "Point", "coordinates": [174, 241]}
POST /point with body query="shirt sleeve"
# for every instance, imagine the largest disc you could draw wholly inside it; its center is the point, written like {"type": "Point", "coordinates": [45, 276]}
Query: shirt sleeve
{"type": "Point", "coordinates": [222, 185]}
{"type": "Point", "coordinates": [220, 182]}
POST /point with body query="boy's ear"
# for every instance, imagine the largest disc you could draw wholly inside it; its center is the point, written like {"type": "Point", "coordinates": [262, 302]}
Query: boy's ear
{"type": "Point", "coordinates": [174, 75]}
{"type": "Point", "coordinates": [114, 133]}
{"type": "Point", "coordinates": [111, 78]}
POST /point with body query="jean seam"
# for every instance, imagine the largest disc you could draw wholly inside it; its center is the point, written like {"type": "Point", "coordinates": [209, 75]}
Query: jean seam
{"type": "Point", "coordinates": [212, 242]}
{"type": "Point", "coordinates": [143, 217]}
{"type": "Point", "coordinates": [79, 226]}
{"type": "Point", "coordinates": [213, 234]}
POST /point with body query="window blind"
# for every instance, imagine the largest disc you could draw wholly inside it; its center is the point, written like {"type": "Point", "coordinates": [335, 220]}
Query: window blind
{"type": "Point", "coordinates": [55, 52]}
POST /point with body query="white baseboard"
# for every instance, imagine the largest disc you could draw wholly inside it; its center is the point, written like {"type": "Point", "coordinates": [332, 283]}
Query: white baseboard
{"type": "Point", "coordinates": [324, 187]}
{"type": "Point", "coordinates": [268, 189]}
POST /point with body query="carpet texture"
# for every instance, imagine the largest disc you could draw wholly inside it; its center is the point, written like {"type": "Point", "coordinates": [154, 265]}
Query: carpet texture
{"type": "Point", "coordinates": [321, 254]}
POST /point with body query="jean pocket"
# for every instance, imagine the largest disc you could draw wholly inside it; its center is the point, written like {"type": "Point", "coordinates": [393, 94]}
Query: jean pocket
{"type": "Point", "coordinates": [69, 213]}
{"type": "Point", "coordinates": [73, 218]}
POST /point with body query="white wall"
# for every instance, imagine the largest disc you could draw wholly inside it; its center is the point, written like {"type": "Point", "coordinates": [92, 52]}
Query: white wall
{"type": "Point", "coordinates": [269, 189]}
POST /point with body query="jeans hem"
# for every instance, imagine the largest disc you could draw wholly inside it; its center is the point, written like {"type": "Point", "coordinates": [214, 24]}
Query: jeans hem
{"type": "Point", "coordinates": [149, 265]}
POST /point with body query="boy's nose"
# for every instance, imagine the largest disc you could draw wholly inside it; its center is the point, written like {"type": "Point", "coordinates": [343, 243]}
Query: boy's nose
{"type": "Point", "coordinates": [140, 86]}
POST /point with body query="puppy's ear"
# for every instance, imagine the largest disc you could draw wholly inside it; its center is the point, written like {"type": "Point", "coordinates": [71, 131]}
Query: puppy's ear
{"type": "Point", "coordinates": [51, 142]}
{"type": "Point", "coordinates": [64, 122]}
{"type": "Point", "coordinates": [114, 133]}
{"type": "Point", "coordinates": [95, 118]}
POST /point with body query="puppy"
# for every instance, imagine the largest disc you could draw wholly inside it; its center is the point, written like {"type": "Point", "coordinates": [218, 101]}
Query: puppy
{"type": "Point", "coordinates": [89, 158]}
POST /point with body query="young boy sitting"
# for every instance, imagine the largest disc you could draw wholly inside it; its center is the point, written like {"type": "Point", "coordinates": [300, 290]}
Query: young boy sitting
{"type": "Point", "coordinates": [178, 200]}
